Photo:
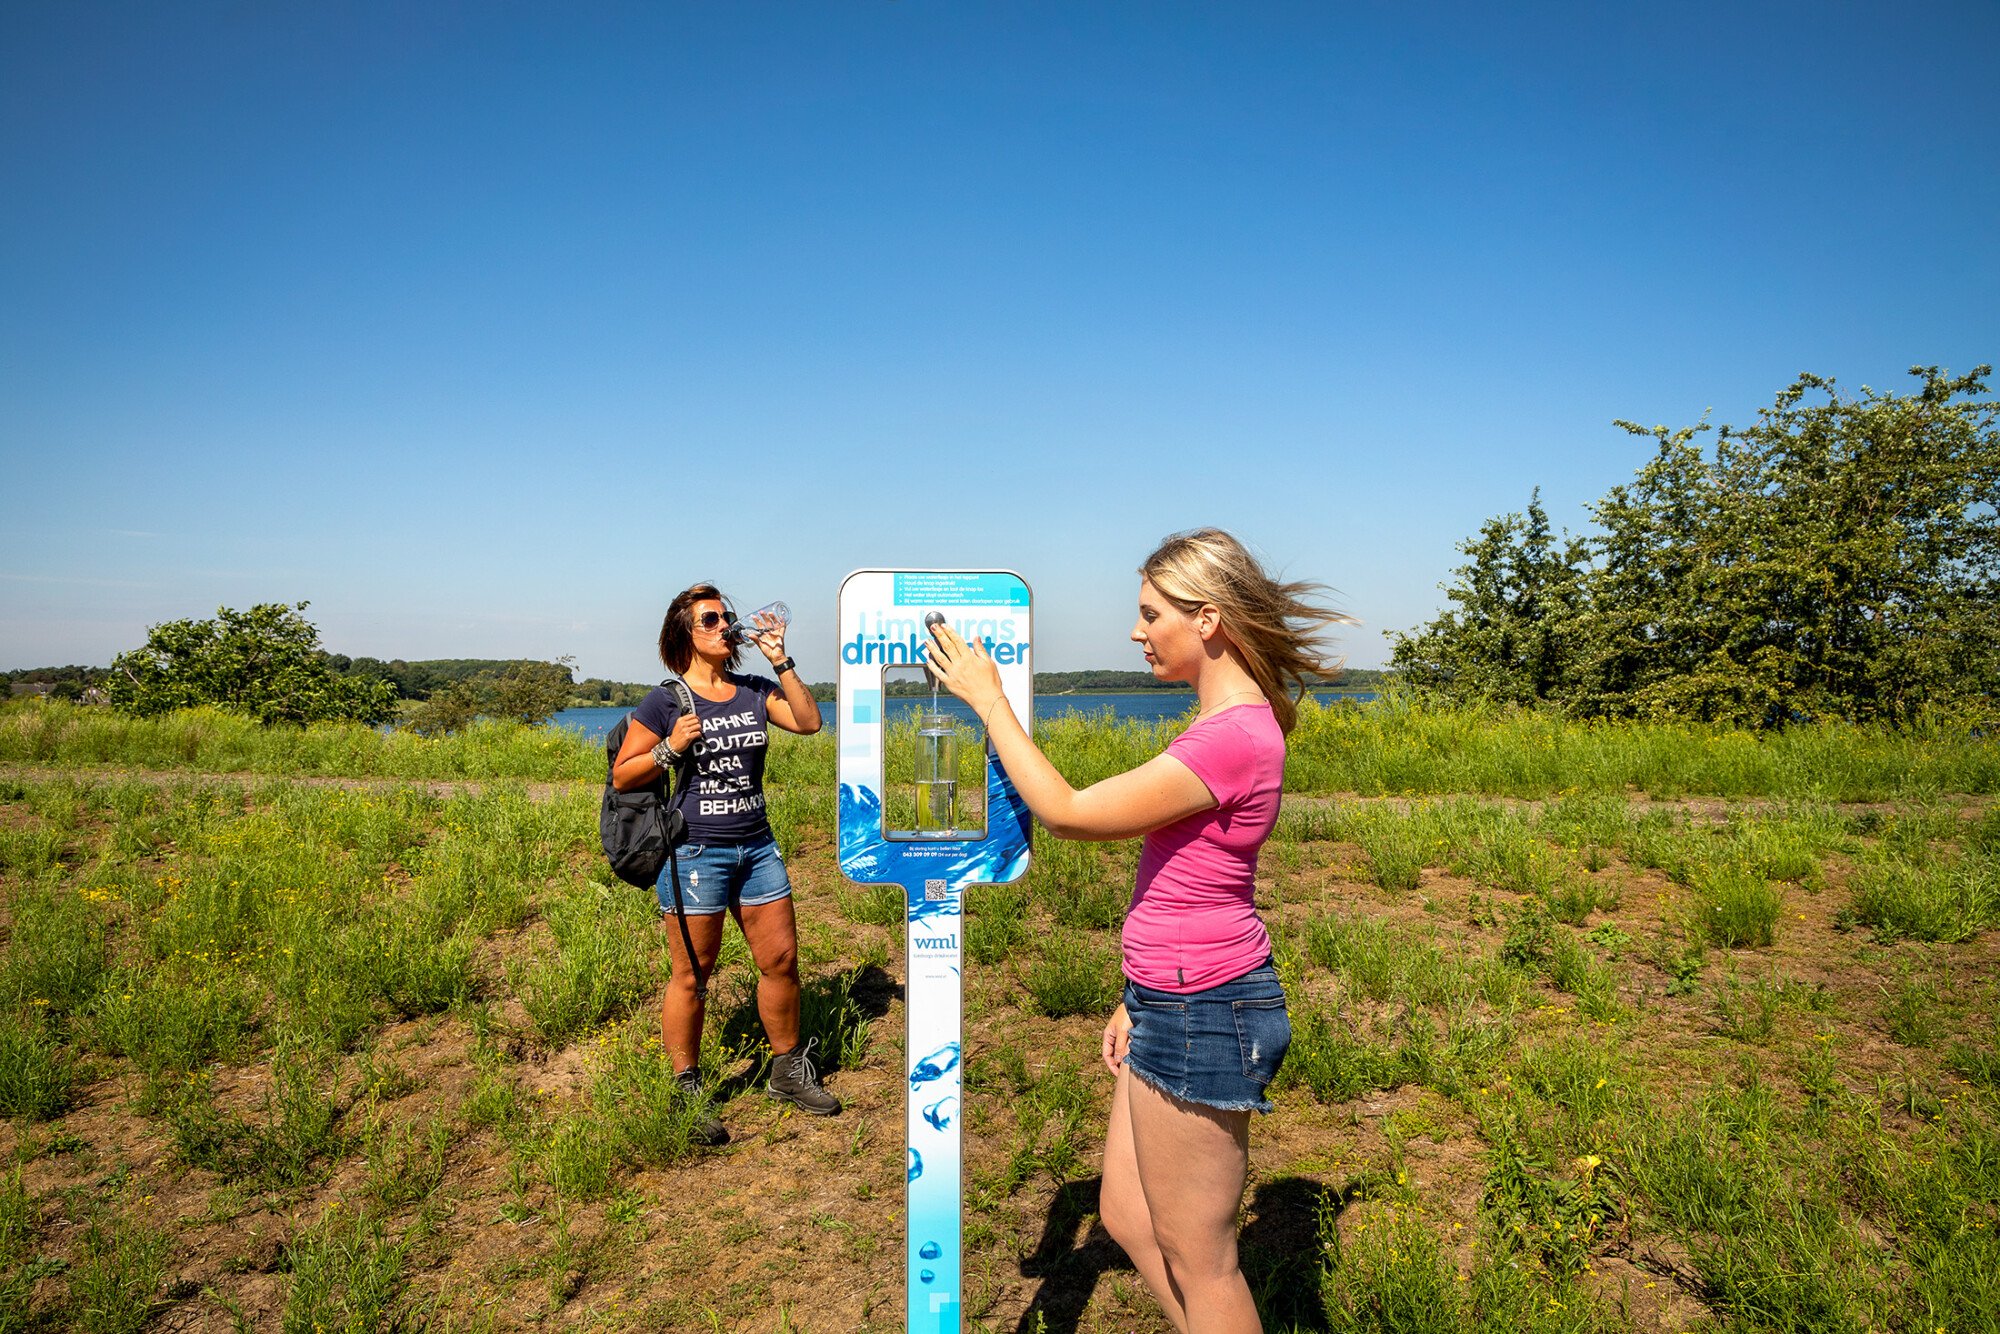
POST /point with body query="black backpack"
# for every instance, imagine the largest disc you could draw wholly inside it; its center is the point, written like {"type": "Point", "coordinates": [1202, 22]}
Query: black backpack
{"type": "Point", "coordinates": [642, 828]}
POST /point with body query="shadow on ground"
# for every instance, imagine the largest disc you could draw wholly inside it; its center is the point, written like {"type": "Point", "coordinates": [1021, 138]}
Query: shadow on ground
{"type": "Point", "coordinates": [1279, 1250]}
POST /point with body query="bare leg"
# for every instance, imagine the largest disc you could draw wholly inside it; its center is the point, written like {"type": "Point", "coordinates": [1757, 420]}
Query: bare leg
{"type": "Point", "coordinates": [681, 1010]}
{"type": "Point", "coordinates": [1192, 1164]}
{"type": "Point", "coordinates": [771, 931]}
{"type": "Point", "coordinates": [1122, 1204]}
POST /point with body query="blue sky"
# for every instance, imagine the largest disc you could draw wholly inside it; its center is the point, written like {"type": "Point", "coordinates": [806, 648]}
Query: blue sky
{"type": "Point", "coordinates": [485, 327]}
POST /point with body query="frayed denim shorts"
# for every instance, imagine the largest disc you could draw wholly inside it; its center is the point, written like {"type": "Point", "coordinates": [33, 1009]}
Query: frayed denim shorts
{"type": "Point", "coordinates": [1220, 1047]}
{"type": "Point", "coordinates": [718, 876]}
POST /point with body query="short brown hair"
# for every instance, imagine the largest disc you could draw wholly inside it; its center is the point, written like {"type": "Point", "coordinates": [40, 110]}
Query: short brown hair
{"type": "Point", "coordinates": [677, 630]}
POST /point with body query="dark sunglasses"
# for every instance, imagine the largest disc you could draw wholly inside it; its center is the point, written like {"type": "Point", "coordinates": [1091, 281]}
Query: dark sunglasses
{"type": "Point", "coordinates": [708, 620]}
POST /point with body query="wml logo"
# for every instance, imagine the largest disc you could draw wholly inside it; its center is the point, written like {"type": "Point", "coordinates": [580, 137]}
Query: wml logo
{"type": "Point", "coordinates": [949, 942]}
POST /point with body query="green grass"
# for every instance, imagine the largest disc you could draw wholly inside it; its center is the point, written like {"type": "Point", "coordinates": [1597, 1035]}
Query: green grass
{"type": "Point", "coordinates": [1532, 1040]}
{"type": "Point", "coordinates": [1395, 747]}
{"type": "Point", "coordinates": [996, 922]}
{"type": "Point", "coordinates": [175, 1018]}
{"type": "Point", "coordinates": [1735, 906]}
{"type": "Point", "coordinates": [607, 955]}
{"type": "Point", "coordinates": [1072, 974]}
{"type": "Point", "coordinates": [647, 1118]}
{"type": "Point", "coordinates": [347, 1274]}
{"type": "Point", "coordinates": [38, 1074]}
{"type": "Point", "coordinates": [1934, 898]}
{"type": "Point", "coordinates": [1401, 748]}
{"type": "Point", "coordinates": [55, 958]}
{"type": "Point", "coordinates": [284, 1144]}
{"type": "Point", "coordinates": [115, 1287]}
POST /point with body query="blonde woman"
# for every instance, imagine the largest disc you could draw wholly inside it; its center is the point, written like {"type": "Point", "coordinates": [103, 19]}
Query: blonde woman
{"type": "Point", "coordinates": [1203, 1027]}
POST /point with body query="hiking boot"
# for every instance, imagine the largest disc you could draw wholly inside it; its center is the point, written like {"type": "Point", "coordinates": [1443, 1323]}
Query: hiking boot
{"type": "Point", "coordinates": [794, 1080]}
{"type": "Point", "coordinates": [706, 1129]}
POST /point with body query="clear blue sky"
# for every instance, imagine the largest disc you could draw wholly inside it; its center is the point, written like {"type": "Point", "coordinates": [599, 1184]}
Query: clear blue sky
{"type": "Point", "coordinates": [487, 326]}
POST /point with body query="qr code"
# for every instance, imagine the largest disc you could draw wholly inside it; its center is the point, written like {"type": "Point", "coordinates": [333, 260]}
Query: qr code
{"type": "Point", "coordinates": [934, 891]}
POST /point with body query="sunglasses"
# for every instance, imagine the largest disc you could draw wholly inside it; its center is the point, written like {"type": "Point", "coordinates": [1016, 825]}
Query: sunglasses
{"type": "Point", "coordinates": [708, 620]}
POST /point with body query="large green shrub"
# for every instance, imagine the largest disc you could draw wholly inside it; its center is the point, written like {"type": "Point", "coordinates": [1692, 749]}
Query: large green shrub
{"type": "Point", "coordinates": [1838, 559]}
{"type": "Point", "coordinates": [265, 662]}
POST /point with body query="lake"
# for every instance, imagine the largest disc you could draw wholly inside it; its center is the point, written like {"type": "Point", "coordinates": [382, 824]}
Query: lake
{"type": "Point", "coordinates": [1147, 706]}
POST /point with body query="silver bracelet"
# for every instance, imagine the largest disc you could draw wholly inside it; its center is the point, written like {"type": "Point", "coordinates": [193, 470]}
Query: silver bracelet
{"type": "Point", "coordinates": [665, 755]}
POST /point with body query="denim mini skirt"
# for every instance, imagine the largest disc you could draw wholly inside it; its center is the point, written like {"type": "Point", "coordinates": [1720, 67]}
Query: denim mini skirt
{"type": "Point", "coordinates": [1220, 1047]}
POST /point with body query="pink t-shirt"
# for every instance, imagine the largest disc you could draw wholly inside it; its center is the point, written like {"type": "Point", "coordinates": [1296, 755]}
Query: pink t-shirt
{"type": "Point", "coordinates": [1193, 923]}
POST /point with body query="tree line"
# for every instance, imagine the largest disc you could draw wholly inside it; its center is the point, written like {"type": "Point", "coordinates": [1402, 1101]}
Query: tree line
{"type": "Point", "coordinates": [70, 682]}
{"type": "Point", "coordinates": [267, 663]}
{"type": "Point", "coordinates": [1837, 559]}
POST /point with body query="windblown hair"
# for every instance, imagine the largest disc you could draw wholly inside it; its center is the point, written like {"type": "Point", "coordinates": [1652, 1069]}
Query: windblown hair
{"type": "Point", "coordinates": [1277, 627]}
{"type": "Point", "coordinates": [677, 630]}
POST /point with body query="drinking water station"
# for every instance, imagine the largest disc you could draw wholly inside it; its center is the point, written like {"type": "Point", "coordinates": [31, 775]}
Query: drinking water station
{"type": "Point", "coordinates": [925, 806]}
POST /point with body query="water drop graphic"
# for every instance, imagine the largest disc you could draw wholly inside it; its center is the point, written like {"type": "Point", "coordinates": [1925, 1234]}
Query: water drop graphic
{"type": "Point", "coordinates": [939, 1113]}
{"type": "Point", "coordinates": [930, 1250]}
{"type": "Point", "coordinates": [916, 1165]}
{"type": "Point", "coordinates": [936, 1065]}
{"type": "Point", "coordinates": [927, 1276]}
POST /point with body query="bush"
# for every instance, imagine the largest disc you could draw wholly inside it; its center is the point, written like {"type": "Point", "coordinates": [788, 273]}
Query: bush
{"type": "Point", "coordinates": [265, 663]}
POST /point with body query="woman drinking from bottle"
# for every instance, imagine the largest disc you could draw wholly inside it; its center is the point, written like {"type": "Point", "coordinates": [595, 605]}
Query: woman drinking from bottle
{"type": "Point", "coordinates": [1203, 1027]}
{"type": "Point", "coordinates": [730, 861]}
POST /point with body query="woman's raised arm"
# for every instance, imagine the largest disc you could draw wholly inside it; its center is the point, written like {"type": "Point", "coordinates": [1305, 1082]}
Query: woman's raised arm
{"type": "Point", "coordinates": [1157, 793]}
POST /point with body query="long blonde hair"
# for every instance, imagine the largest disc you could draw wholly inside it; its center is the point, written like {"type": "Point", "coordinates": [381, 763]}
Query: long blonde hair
{"type": "Point", "coordinates": [1275, 626]}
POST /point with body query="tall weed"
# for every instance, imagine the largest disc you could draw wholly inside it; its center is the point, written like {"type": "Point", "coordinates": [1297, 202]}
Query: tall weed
{"type": "Point", "coordinates": [649, 1117]}
{"type": "Point", "coordinates": [606, 958]}
{"type": "Point", "coordinates": [175, 1019]}
{"type": "Point", "coordinates": [1735, 905]}
{"type": "Point", "coordinates": [38, 1075]}
{"type": "Point", "coordinates": [56, 955]}
{"type": "Point", "coordinates": [1951, 899]}
{"type": "Point", "coordinates": [346, 1274]}
{"type": "Point", "coordinates": [114, 1289]}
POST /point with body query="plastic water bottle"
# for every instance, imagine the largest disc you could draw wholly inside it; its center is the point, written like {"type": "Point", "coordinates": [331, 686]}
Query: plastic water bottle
{"type": "Point", "coordinates": [748, 625]}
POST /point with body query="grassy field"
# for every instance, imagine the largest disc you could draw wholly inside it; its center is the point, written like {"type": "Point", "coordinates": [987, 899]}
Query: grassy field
{"type": "Point", "coordinates": [1595, 1029]}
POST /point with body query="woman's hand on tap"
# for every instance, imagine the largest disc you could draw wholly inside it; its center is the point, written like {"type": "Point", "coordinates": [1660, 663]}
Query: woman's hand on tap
{"type": "Point", "coordinates": [966, 670]}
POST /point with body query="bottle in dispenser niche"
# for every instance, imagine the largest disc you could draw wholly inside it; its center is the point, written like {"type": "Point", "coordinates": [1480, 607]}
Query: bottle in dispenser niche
{"type": "Point", "coordinates": [937, 774]}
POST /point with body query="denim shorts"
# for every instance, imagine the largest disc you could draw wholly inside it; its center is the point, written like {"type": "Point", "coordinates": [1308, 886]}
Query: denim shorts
{"type": "Point", "coordinates": [1220, 1047]}
{"type": "Point", "coordinates": [715, 876]}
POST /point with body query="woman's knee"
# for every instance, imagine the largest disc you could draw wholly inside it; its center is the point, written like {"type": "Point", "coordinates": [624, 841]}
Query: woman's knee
{"type": "Point", "coordinates": [1126, 1220]}
{"type": "Point", "coordinates": [1194, 1251]}
{"type": "Point", "coordinates": [780, 963]}
{"type": "Point", "coordinates": [681, 988]}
